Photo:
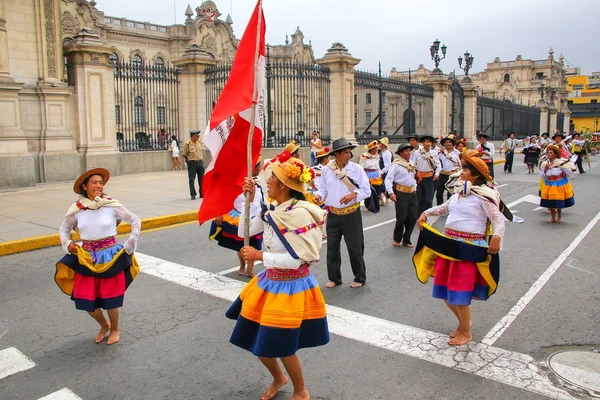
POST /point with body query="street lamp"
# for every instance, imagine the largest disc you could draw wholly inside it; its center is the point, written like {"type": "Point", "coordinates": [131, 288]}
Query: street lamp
{"type": "Point", "coordinates": [468, 64]}
{"type": "Point", "coordinates": [435, 56]}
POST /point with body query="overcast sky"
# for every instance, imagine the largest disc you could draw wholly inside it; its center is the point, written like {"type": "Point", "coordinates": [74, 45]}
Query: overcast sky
{"type": "Point", "coordinates": [399, 33]}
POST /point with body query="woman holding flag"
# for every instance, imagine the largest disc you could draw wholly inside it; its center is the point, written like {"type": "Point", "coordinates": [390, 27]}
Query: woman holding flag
{"type": "Point", "coordinates": [282, 310]}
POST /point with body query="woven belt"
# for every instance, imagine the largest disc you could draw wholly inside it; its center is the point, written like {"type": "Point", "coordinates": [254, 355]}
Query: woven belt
{"type": "Point", "coordinates": [421, 175]}
{"type": "Point", "coordinates": [554, 178]}
{"type": "Point", "coordinates": [102, 244]}
{"type": "Point", "coordinates": [345, 210]}
{"type": "Point", "coordinates": [370, 170]}
{"type": "Point", "coordinates": [447, 172]}
{"type": "Point", "coordinates": [404, 189]}
{"type": "Point", "coordinates": [463, 235]}
{"type": "Point", "coordinates": [276, 274]}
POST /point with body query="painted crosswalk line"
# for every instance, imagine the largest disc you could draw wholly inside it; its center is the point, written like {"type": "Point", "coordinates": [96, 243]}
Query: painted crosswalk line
{"type": "Point", "coordinates": [13, 361]}
{"type": "Point", "coordinates": [507, 367]}
{"type": "Point", "coordinates": [62, 394]}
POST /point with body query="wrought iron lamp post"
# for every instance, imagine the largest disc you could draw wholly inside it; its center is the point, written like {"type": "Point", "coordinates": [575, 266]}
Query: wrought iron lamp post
{"type": "Point", "coordinates": [468, 64]}
{"type": "Point", "coordinates": [435, 56]}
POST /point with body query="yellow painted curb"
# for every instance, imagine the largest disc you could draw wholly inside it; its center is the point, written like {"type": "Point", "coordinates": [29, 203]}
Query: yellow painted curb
{"type": "Point", "coordinates": [40, 242]}
{"type": "Point", "coordinates": [498, 162]}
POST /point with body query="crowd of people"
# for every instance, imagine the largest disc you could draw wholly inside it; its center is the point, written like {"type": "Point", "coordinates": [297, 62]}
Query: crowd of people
{"type": "Point", "coordinates": [282, 309]}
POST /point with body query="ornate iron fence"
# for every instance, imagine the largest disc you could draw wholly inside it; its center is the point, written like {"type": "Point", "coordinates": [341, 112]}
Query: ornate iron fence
{"type": "Point", "coordinates": [499, 117]}
{"type": "Point", "coordinates": [297, 101]}
{"type": "Point", "coordinates": [146, 108]}
{"type": "Point", "coordinates": [394, 104]}
{"type": "Point", "coordinates": [457, 115]}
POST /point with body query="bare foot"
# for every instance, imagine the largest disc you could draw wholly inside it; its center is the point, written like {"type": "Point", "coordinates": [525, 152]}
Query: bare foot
{"type": "Point", "coordinates": [366, 210]}
{"type": "Point", "coordinates": [331, 284]}
{"type": "Point", "coordinates": [558, 220]}
{"type": "Point", "coordinates": [250, 275]}
{"type": "Point", "coordinates": [324, 236]}
{"type": "Point", "coordinates": [455, 332]}
{"type": "Point", "coordinates": [460, 339]}
{"type": "Point", "coordinates": [395, 243]}
{"type": "Point", "coordinates": [241, 271]}
{"type": "Point", "coordinates": [409, 245]}
{"type": "Point", "coordinates": [100, 336]}
{"type": "Point", "coordinates": [303, 395]}
{"type": "Point", "coordinates": [551, 221]}
{"type": "Point", "coordinates": [275, 386]}
{"type": "Point", "coordinates": [113, 337]}
{"type": "Point", "coordinates": [355, 285]}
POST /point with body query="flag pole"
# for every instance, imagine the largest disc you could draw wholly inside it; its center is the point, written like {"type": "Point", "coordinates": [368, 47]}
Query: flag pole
{"type": "Point", "coordinates": [252, 123]}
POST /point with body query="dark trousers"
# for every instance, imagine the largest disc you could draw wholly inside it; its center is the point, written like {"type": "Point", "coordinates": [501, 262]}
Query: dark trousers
{"type": "Point", "coordinates": [508, 163]}
{"type": "Point", "coordinates": [351, 228]}
{"type": "Point", "coordinates": [406, 216]}
{"type": "Point", "coordinates": [195, 168]}
{"type": "Point", "coordinates": [580, 155]}
{"type": "Point", "coordinates": [440, 189]}
{"type": "Point", "coordinates": [425, 192]}
{"type": "Point", "coordinates": [490, 167]}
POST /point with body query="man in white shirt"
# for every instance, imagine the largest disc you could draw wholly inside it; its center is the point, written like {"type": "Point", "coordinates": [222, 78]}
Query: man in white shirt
{"type": "Point", "coordinates": [578, 148]}
{"type": "Point", "coordinates": [344, 185]}
{"type": "Point", "coordinates": [400, 183]}
{"type": "Point", "coordinates": [413, 140]}
{"type": "Point", "coordinates": [385, 161]}
{"type": "Point", "coordinates": [450, 162]}
{"type": "Point", "coordinates": [428, 167]}
{"type": "Point", "coordinates": [488, 150]}
{"type": "Point", "coordinates": [509, 150]}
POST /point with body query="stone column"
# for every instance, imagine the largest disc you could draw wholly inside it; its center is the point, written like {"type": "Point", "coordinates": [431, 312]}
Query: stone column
{"type": "Point", "coordinates": [470, 91]}
{"type": "Point", "coordinates": [543, 117]}
{"type": "Point", "coordinates": [93, 78]}
{"type": "Point", "coordinates": [192, 89]}
{"type": "Point", "coordinates": [567, 121]}
{"type": "Point", "coordinates": [440, 84]}
{"type": "Point", "coordinates": [341, 66]}
{"type": "Point", "coordinates": [16, 163]}
{"type": "Point", "coordinates": [553, 118]}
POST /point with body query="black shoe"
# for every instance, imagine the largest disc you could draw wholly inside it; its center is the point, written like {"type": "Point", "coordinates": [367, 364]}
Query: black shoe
{"type": "Point", "coordinates": [193, 197]}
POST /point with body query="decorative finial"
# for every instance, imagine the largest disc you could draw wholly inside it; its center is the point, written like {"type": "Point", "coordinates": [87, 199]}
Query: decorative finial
{"type": "Point", "coordinates": [229, 20]}
{"type": "Point", "coordinates": [286, 39]}
{"type": "Point", "coordinates": [188, 11]}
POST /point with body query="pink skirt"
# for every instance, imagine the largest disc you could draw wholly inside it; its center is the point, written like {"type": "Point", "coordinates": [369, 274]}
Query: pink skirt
{"type": "Point", "coordinates": [90, 292]}
{"type": "Point", "coordinates": [458, 282]}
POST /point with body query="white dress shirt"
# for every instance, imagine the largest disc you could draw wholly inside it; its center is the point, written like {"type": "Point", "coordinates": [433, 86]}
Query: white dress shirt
{"type": "Point", "coordinates": [488, 155]}
{"type": "Point", "coordinates": [401, 176]}
{"type": "Point", "coordinates": [423, 165]}
{"type": "Point", "coordinates": [447, 160]}
{"type": "Point", "coordinates": [332, 189]}
{"type": "Point", "coordinates": [387, 157]}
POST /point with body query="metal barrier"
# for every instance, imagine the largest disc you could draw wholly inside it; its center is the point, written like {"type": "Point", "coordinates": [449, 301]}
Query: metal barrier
{"type": "Point", "coordinates": [499, 117]}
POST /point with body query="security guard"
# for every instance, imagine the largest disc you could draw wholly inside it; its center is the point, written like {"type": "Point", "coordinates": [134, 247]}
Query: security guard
{"type": "Point", "coordinates": [192, 153]}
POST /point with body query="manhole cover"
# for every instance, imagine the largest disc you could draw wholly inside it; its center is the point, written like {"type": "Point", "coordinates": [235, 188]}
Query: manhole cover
{"type": "Point", "coordinates": [581, 368]}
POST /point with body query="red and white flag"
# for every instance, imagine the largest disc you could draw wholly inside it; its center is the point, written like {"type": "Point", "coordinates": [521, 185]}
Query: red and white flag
{"type": "Point", "coordinates": [226, 135]}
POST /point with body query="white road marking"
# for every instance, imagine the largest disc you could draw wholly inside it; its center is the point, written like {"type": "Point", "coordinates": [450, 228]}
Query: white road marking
{"type": "Point", "coordinates": [507, 367]}
{"type": "Point", "coordinates": [499, 186]}
{"type": "Point", "coordinates": [527, 198]}
{"type": "Point", "coordinates": [230, 270]}
{"type": "Point", "coordinates": [495, 333]}
{"type": "Point", "coordinates": [13, 361]}
{"type": "Point", "coordinates": [62, 394]}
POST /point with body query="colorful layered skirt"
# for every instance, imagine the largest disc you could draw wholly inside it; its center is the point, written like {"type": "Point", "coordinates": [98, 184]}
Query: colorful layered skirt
{"type": "Point", "coordinates": [556, 192]}
{"type": "Point", "coordinates": [310, 197]}
{"type": "Point", "coordinates": [375, 178]}
{"type": "Point", "coordinates": [98, 275]}
{"type": "Point", "coordinates": [226, 234]}
{"type": "Point", "coordinates": [460, 264]}
{"type": "Point", "coordinates": [278, 312]}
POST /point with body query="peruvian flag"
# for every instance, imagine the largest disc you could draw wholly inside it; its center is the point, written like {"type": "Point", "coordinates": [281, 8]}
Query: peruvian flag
{"type": "Point", "coordinates": [226, 135]}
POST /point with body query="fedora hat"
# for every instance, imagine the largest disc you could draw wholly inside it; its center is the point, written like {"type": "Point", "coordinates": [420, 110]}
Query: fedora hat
{"type": "Point", "coordinates": [95, 171]}
{"type": "Point", "coordinates": [484, 135]}
{"type": "Point", "coordinates": [402, 147]}
{"type": "Point", "coordinates": [341, 144]}
{"type": "Point", "coordinates": [427, 137]}
{"type": "Point", "coordinates": [449, 137]}
{"type": "Point", "coordinates": [562, 135]}
{"type": "Point", "coordinates": [413, 136]}
{"type": "Point", "coordinates": [384, 141]}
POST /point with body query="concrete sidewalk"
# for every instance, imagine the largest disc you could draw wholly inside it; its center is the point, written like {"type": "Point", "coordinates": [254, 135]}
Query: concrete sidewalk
{"type": "Point", "coordinates": [40, 210]}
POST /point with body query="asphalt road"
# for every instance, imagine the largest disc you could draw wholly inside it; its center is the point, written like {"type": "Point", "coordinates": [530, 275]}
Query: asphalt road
{"type": "Point", "coordinates": [174, 340]}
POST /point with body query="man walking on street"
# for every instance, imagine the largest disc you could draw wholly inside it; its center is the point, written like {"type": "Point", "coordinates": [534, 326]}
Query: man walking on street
{"type": "Point", "coordinates": [488, 150]}
{"type": "Point", "coordinates": [509, 149]}
{"type": "Point", "coordinates": [192, 153]}
{"type": "Point", "coordinates": [428, 166]}
{"type": "Point", "coordinates": [343, 185]}
{"type": "Point", "coordinates": [450, 162]}
{"type": "Point", "coordinates": [401, 185]}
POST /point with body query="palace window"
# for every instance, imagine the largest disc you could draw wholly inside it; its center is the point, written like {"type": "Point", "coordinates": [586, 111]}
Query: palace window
{"type": "Point", "coordinates": [355, 99]}
{"type": "Point", "coordinates": [506, 77]}
{"type": "Point", "coordinates": [137, 65]}
{"type": "Point", "coordinates": [368, 98]}
{"type": "Point", "coordinates": [160, 115]}
{"type": "Point", "coordinates": [368, 117]}
{"type": "Point", "coordinates": [159, 63]}
{"type": "Point", "coordinates": [355, 118]}
{"type": "Point", "coordinates": [383, 117]}
{"type": "Point", "coordinates": [139, 111]}
{"type": "Point", "coordinates": [539, 75]}
{"type": "Point", "coordinates": [383, 98]}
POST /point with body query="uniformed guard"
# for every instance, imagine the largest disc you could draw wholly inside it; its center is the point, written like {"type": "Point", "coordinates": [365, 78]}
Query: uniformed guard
{"type": "Point", "coordinates": [192, 153]}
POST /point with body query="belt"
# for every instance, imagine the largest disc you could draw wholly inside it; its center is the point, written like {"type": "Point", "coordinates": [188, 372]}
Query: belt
{"type": "Point", "coordinates": [421, 175]}
{"type": "Point", "coordinates": [463, 235]}
{"type": "Point", "coordinates": [195, 160]}
{"type": "Point", "coordinates": [370, 170]}
{"type": "Point", "coordinates": [344, 210]}
{"type": "Point", "coordinates": [102, 244]}
{"type": "Point", "coordinates": [276, 274]}
{"type": "Point", "coordinates": [447, 172]}
{"type": "Point", "coordinates": [403, 189]}
{"type": "Point", "coordinates": [554, 178]}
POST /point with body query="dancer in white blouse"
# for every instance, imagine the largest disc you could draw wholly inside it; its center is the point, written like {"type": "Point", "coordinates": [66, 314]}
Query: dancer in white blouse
{"type": "Point", "coordinates": [459, 260]}
{"type": "Point", "coordinates": [96, 273]}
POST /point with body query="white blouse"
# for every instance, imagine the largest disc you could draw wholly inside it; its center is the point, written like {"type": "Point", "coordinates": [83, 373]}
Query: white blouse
{"type": "Point", "coordinates": [470, 214]}
{"type": "Point", "coordinates": [240, 203]}
{"type": "Point", "coordinates": [275, 256]}
{"type": "Point", "coordinates": [99, 224]}
{"type": "Point", "coordinates": [555, 171]}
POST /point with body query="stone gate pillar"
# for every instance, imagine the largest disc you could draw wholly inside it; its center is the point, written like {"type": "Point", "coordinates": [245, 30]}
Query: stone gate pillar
{"type": "Point", "coordinates": [543, 117]}
{"type": "Point", "coordinates": [93, 77]}
{"type": "Point", "coordinates": [341, 66]}
{"type": "Point", "coordinates": [553, 118]}
{"type": "Point", "coordinates": [470, 92]}
{"type": "Point", "coordinates": [440, 84]}
{"type": "Point", "coordinates": [192, 89]}
{"type": "Point", "coordinates": [566, 121]}
{"type": "Point", "coordinates": [16, 163]}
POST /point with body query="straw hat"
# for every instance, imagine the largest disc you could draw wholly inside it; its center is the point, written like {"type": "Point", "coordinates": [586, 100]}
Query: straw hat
{"type": "Point", "coordinates": [96, 171]}
{"type": "Point", "coordinates": [372, 145]}
{"type": "Point", "coordinates": [293, 173]}
{"type": "Point", "coordinates": [323, 152]}
{"type": "Point", "coordinates": [384, 141]}
{"type": "Point", "coordinates": [473, 157]}
{"type": "Point", "coordinates": [291, 147]}
{"type": "Point", "coordinates": [554, 148]}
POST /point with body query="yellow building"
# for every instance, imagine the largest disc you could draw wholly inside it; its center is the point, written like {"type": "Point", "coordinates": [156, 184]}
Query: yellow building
{"type": "Point", "coordinates": [584, 102]}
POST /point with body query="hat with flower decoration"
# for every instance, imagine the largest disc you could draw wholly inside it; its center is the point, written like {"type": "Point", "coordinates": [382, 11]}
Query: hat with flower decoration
{"type": "Point", "coordinates": [292, 172]}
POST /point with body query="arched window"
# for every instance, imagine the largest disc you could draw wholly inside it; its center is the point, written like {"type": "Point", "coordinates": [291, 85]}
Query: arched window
{"type": "Point", "coordinates": [136, 65]}
{"type": "Point", "coordinates": [159, 63]}
{"type": "Point", "coordinates": [139, 111]}
{"type": "Point", "coordinates": [506, 77]}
